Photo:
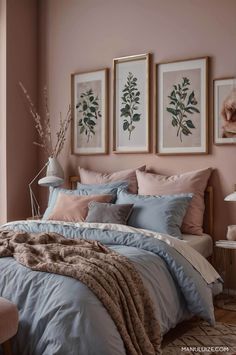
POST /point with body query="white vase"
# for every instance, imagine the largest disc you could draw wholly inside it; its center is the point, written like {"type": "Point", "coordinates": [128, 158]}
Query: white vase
{"type": "Point", "coordinates": [231, 233]}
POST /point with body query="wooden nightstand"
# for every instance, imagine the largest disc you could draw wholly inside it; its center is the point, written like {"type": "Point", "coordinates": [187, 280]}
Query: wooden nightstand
{"type": "Point", "coordinates": [225, 252]}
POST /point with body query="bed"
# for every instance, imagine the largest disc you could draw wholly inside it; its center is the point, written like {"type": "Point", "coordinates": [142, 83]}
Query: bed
{"type": "Point", "coordinates": [60, 315]}
{"type": "Point", "coordinates": [203, 244]}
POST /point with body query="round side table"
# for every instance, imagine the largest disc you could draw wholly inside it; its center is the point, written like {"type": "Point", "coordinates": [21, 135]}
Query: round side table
{"type": "Point", "coordinates": [225, 252]}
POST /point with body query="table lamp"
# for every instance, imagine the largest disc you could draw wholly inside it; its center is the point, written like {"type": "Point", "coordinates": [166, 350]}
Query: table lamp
{"type": "Point", "coordinates": [54, 177]}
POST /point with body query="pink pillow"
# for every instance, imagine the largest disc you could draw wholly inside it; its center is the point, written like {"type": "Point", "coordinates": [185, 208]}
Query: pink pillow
{"type": "Point", "coordinates": [74, 208]}
{"type": "Point", "coordinates": [194, 181]}
{"type": "Point", "coordinates": [93, 177]}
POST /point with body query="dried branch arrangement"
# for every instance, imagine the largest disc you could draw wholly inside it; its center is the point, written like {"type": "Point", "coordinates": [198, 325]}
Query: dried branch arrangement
{"type": "Point", "coordinates": [43, 126]}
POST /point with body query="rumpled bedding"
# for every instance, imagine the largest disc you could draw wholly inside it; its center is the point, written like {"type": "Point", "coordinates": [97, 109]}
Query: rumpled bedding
{"type": "Point", "coordinates": [111, 277]}
{"type": "Point", "coordinates": [60, 315]}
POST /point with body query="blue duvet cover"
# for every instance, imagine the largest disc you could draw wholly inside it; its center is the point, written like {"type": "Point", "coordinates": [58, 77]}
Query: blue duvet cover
{"type": "Point", "coordinates": [59, 315]}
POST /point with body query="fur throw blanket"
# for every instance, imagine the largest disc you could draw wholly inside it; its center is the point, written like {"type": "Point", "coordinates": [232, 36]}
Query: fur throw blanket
{"type": "Point", "coordinates": [111, 277]}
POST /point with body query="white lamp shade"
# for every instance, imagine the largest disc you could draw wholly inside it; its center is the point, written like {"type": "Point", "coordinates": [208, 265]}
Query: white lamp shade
{"type": "Point", "coordinates": [54, 176]}
{"type": "Point", "coordinates": [231, 197]}
{"type": "Point", "coordinates": [53, 181]}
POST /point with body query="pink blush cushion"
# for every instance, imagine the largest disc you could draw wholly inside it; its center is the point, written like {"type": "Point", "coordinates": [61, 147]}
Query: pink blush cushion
{"type": "Point", "coordinates": [192, 182]}
{"type": "Point", "coordinates": [93, 177]}
{"type": "Point", "coordinates": [8, 320]}
{"type": "Point", "coordinates": [74, 208]}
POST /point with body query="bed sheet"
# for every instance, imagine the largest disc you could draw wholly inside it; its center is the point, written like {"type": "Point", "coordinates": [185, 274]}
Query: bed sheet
{"type": "Point", "coordinates": [201, 243]}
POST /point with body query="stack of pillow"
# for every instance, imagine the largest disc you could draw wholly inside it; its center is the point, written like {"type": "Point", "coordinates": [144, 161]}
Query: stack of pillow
{"type": "Point", "coordinates": [166, 204]}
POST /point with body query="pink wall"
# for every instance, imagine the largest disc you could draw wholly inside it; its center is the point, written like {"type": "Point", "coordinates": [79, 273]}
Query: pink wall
{"type": "Point", "coordinates": [3, 179]}
{"type": "Point", "coordinates": [85, 35]}
{"type": "Point", "coordinates": [22, 159]}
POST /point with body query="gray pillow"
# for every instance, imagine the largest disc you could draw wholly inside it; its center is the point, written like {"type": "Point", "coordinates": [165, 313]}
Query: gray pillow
{"type": "Point", "coordinates": [108, 213]}
{"type": "Point", "coordinates": [163, 214]}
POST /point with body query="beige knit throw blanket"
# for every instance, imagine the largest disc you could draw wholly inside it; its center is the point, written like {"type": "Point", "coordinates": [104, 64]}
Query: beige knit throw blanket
{"type": "Point", "coordinates": [111, 277]}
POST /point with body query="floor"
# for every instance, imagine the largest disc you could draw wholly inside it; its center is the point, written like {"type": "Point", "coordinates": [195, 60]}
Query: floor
{"type": "Point", "coordinates": [224, 316]}
{"type": "Point", "coordinates": [221, 315]}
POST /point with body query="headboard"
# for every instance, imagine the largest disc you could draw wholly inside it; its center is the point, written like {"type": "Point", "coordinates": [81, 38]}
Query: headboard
{"type": "Point", "coordinates": [208, 221]}
{"type": "Point", "coordinates": [208, 215]}
{"type": "Point", "coordinates": [73, 180]}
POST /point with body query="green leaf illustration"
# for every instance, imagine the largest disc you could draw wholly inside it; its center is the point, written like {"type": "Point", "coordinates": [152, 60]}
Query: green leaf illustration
{"type": "Point", "coordinates": [186, 131]}
{"type": "Point", "coordinates": [136, 117]}
{"type": "Point", "coordinates": [191, 96]}
{"type": "Point", "coordinates": [190, 124]}
{"type": "Point", "coordinates": [125, 125]}
{"type": "Point", "coordinates": [130, 100]}
{"type": "Point", "coordinates": [173, 111]}
{"type": "Point", "coordinates": [182, 103]}
{"type": "Point", "coordinates": [174, 122]}
{"type": "Point", "coordinates": [191, 109]}
{"type": "Point", "coordinates": [88, 106]}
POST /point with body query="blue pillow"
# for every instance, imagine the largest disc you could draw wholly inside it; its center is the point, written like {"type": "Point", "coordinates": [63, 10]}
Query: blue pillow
{"type": "Point", "coordinates": [105, 189]}
{"type": "Point", "coordinates": [97, 189]}
{"type": "Point", "coordinates": [123, 185]}
{"type": "Point", "coordinates": [162, 214]}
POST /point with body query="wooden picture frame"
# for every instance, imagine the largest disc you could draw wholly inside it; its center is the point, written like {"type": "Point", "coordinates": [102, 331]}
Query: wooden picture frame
{"type": "Point", "coordinates": [225, 111]}
{"type": "Point", "coordinates": [181, 89]}
{"type": "Point", "coordinates": [131, 104]}
{"type": "Point", "coordinates": [89, 105]}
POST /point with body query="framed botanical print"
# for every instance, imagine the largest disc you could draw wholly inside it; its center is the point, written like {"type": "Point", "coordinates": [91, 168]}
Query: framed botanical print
{"type": "Point", "coordinates": [131, 104]}
{"type": "Point", "coordinates": [225, 111]}
{"type": "Point", "coordinates": [182, 111]}
{"type": "Point", "coordinates": [89, 112]}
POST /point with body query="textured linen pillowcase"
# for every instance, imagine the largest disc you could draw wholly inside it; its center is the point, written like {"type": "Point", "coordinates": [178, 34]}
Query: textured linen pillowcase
{"type": "Point", "coordinates": [110, 189]}
{"type": "Point", "coordinates": [74, 208]}
{"type": "Point", "coordinates": [108, 213]}
{"type": "Point", "coordinates": [97, 188]}
{"type": "Point", "coordinates": [192, 182]}
{"type": "Point", "coordinates": [162, 214]}
{"type": "Point", "coordinates": [93, 177]}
